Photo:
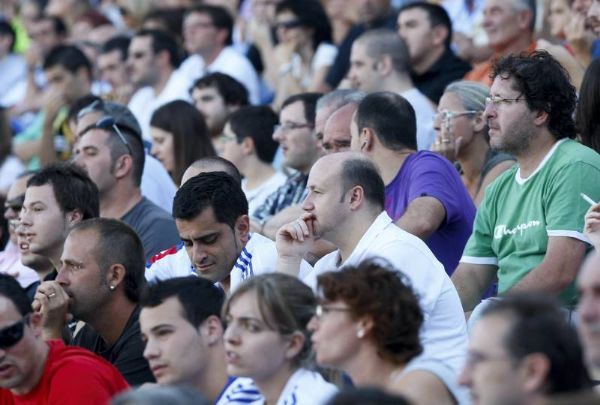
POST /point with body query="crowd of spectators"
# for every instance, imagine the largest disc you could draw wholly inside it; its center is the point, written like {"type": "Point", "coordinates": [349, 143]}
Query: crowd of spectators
{"type": "Point", "coordinates": [300, 202]}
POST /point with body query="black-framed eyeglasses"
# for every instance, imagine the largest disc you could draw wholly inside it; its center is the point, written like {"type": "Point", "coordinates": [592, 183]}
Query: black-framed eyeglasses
{"type": "Point", "coordinates": [107, 122]}
{"type": "Point", "coordinates": [289, 24]}
{"type": "Point", "coordinates": [12, 334]}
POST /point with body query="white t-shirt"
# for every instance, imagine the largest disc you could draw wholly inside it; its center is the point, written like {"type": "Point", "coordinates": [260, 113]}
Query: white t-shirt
{"type": "Point", "coordinates": [157, 185]}
{"type": "Point", "coordinates": [259, 256]}
{"type": "Point", "coordinates": [230, 62]}
{"type": "Point", "coordinates": [444, 332]}
{"type": "Point", "coordinates": [13, 75]}
{"type": "Point", "coordinates": [144, 102]}
{"type": "Point", "coordinates": [304, 387]}
{"type": "Point", "coordinates": [424, 113]}
{"type": "Point", "coordinates": [257, 196]}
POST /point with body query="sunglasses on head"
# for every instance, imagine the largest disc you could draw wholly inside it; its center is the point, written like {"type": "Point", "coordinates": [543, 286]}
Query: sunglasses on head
{"type": "Point", "coordinates": [11, 335]}
{"type": "Point", "coordinates": [108, 122]}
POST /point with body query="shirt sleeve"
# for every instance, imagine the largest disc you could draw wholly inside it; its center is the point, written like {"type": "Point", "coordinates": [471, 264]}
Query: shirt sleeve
{"type": "Point", "coordinates": [565, 209]}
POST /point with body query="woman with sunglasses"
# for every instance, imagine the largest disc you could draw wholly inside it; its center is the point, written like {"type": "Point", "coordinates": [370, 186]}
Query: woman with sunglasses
{"type": "Point", "coordinates": [304, 54]}
{"type": "Point", "coordinates": [267, 341]}
{"type": "Point", "coordinates": [367, 324]}
{"type": "Point", "coordinates": [179, 137]}
{"type": "Point", "coordinates": [463, 137]}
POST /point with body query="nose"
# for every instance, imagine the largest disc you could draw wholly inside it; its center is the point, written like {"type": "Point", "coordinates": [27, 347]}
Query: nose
{"type": "Point", "coordinates": [490, 110]}
{"type": "Point", "coordinates": [588, 310]}
{"type": "Point", "coordinates": [153, 149]}
{"type": "Point", "coordinates": [62, 277]}
{"type": "Point", "coordinates": [277, 134]}
{"type": "Point", "coordinates": [307, 204]}
{"type": "Point", "coordinates": [151, 350]}
{"type": "Point", "coordinates": [313, 324]}
{"type": "Point", "coordinates": [231, 336]}
{"type": "Point", "coordinates": [199, 255]}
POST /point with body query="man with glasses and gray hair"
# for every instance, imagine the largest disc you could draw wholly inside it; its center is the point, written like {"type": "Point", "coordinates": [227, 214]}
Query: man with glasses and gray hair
{"type": "Point", "coordinates": [529, 227]}
{"type": "Point", "coordinates": [35, 371]}
{"type": "Point", "coordinates": [109, 147]}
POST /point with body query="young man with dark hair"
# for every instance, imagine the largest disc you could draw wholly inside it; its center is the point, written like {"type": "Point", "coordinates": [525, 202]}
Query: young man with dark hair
{"type": "Point", "coordinates": [207, 33]}
{"type": "Point", "coordinates": [57, 197]}
{"type": "Point", "coordinates": [99, 283]}
{"type": "Point", "coordinates": [153, 59]}
{"type": "Point", "coordinates": [523, 351]}
{"type": "Point", "coordinates": [183, 334]}
{"type": "Point", "coordinates": [297, 138]}
{"type": "Point", "coordinates": [49, 138]}
{"type": "Point", "coordinates": [424, 193]}
{"type": "Point", "coordinates": [110, 149]}
{"type": "Point", "coordinates": [112, 68]}
{"type": "Point", "coordinates": [248, 143]}
{"type": "Point", "coordinates": [39, 372]}
{"type": "Point", "coordinates": [345, 205]}
{"type": "Point", "coordinates": [211, 214]}
{"type": "Point", "coordinates": [528, 232]}
{"type": "Point", "coordinates": [216, 96]}
{"type": "Point", "coordinates": [427, 30]}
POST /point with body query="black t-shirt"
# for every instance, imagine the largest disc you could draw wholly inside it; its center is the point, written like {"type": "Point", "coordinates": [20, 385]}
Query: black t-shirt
{"type": "Point", "coordinates": [126, 354]}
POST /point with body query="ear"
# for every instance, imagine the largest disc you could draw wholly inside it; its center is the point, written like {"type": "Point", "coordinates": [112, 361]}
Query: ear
{"type": "Point", "coordinates": [534, 370]}
{"type": "Point", "coordinates": [357, 196]}
{"type": "Point", "coordinates": [479, 122]}
{"type": "Point", "coordinates": [123, 166]}
{"type": "Point", "coordinates": [524, 19]}
{"type": "Point", "coordinates": [242, 228]}
{"type": "Point", "coordinates": [162, 58]}
{"type": "Point", "coordinates": [541, 118]}
{"type": "Point", "coordinates": [74, 217]}
{"type": "Point", "coordinates": [211, 330]}
{"type": "Point", "coordinates": [439, 34]}
{"type": "Point", "coordinates": [248, 145]}
{"type": "Point", "coordinates": [115, 275]}
{"type": "Point", "coordinates": [367, 139]}
{"type": "Point", "coordinates": [364, 326]}
{"type": "Point", "coordinates": [295, 344]}
{"type": "Point", "coordinates": [384, 65]}
{"type": "Point", "coordinates": [222, 36]}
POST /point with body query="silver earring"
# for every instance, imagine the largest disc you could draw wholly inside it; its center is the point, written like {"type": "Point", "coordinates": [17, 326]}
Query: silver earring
{"type": "Point", "coordinates": [360, 333]}
{"type": "Point", "coordinates": [112, 287]}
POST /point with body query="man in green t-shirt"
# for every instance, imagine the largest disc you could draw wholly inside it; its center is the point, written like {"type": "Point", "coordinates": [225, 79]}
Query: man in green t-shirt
{"type": "Point", "coordinates": [529, 229]}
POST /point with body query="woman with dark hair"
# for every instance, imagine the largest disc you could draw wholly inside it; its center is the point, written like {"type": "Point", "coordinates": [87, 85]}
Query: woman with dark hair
{"type": "Point", "coordinates": [367, 324]}
{"type": "Point", "coordinates": [267, 340]}
{"type": "Point", "coordinates": [587, 116]}
{"type": "Point", "coordinates": [10, 166]}
{"type": "Point", "coordinates": [305, 52]}
{"type": "Point", "coordinates": [179, 137]}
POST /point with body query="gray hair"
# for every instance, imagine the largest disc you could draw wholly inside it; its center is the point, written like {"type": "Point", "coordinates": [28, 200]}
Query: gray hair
{"type": "Point", "coordinates": [379, 42]}
{"type": "Point", "coordinates": [339, 98]}
{"type": "Point", "coordinates": [472, 95]}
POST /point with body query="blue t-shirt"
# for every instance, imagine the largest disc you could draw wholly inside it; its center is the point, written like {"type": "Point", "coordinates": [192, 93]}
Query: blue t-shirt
{"type": "Point", "coordinates": [427, 174]}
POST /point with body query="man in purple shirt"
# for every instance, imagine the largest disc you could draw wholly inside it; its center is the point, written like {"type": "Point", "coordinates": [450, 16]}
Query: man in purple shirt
{"type": "Point", "coordinates": [424, 193]}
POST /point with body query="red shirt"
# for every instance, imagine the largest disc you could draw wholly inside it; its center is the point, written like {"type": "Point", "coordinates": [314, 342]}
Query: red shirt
{"type": "Point", "coordinates": [72, 375]}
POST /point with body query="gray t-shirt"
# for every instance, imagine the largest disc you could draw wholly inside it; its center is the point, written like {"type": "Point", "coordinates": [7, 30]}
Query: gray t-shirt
{"type": "Point", "coordinates": [155, 227]}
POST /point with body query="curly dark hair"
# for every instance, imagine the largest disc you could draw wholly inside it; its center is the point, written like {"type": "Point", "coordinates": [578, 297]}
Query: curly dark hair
{"type": "Point", "coordinates": [374, 288]}
{"type": "Point", "coordinates": [546, 86]}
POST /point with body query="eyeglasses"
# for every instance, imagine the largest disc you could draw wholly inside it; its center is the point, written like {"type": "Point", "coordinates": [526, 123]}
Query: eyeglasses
{"type": "Point", "coordinates": [15, 204]}
{"type": "Point", "coordinates": [11, 335]}
{"type": "Point", "coordinates": [289, 24]}
{"type": "Point", "coordinates": [448, 115]}
{"type": "Point", "coordinates": [107, 122]}
{"type": "Point", "coordinates": [94, 106]}
{"type": "Point", "coordinates": [497, 100]}
{"type": "Point", "coordinates": [289, 126]}
{"type": "Point", "coordinates": [325, 309]}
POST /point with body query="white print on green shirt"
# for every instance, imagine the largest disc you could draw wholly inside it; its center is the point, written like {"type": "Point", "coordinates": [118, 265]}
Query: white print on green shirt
{"type": "Point", "coordinates": [501, 230]}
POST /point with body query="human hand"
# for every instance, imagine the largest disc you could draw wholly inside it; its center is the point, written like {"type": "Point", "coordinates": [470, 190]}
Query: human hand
{"type": "Point", "coordinates": [297, 238]}
{"type": "Point", "coordinates": [52, 302]}
{"type": "Point", "coordinates": [591, 228]}
{"type": "Point", "coordinates": [447, 145]}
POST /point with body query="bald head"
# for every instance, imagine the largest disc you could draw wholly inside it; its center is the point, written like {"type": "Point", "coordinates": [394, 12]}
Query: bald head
{"type": "Point", "coordinates": [336, 135]}
{"type": "Point", "coordinates": [211, 164]}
